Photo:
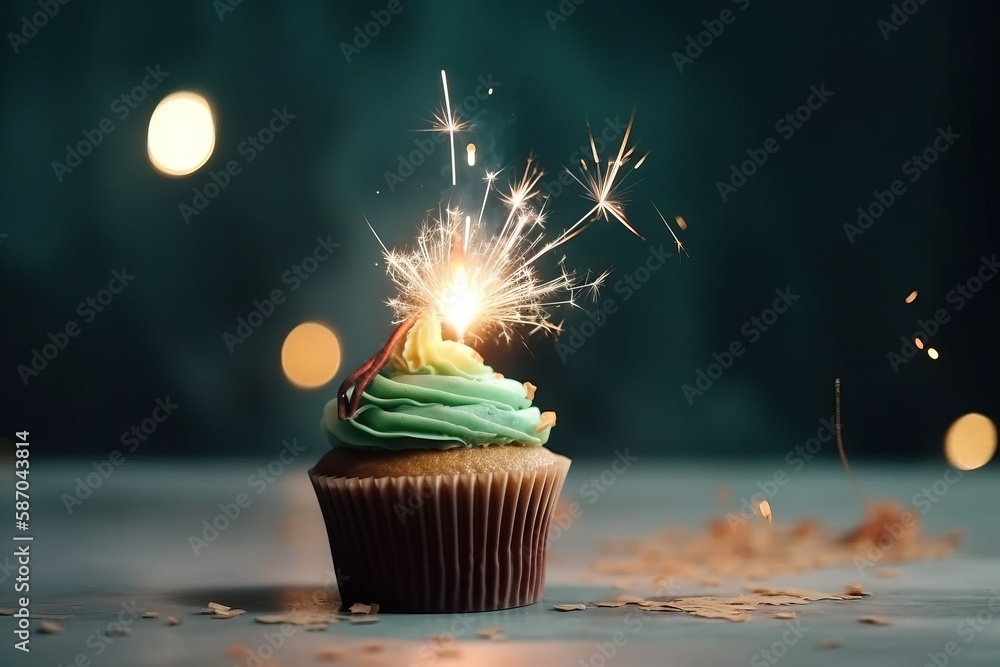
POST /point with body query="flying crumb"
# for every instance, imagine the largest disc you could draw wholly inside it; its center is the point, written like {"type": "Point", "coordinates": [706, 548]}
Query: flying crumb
{"type": "Point", "coordinates": [912, 297]}
{"type": "Point", "coordinates": [681, 222]}
{"type": "Point", "coordinates": [529, 391]}
{"type": "Point", "coordinates": [49, 628]}
{"type": "Point", "coordinates": [359, 608]}
{"type": "Point", "coordinates": [570, 607]}
{"type": "Point", "coordinates": [831, 642]}
{"type": "Point", "coordinates": [150, 614]}
{"type": "Point", "coordinates": [874, 620]}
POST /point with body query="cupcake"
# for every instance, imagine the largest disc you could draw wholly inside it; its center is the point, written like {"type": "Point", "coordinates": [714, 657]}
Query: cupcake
{"type": "Point", "coordinates": [438, 490]}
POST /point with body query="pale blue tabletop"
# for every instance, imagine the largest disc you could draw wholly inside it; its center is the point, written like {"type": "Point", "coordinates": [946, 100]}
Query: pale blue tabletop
{"type": "Point", "coordinates": [129, 544]}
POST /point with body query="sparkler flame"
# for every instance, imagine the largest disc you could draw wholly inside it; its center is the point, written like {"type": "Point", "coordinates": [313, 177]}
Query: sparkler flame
{"type": "Point", "coordinates": [475, 281]}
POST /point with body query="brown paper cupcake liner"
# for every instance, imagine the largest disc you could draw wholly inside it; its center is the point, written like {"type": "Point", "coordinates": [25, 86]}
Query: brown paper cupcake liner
{"type": "Point", "coordinates": [444, 543]}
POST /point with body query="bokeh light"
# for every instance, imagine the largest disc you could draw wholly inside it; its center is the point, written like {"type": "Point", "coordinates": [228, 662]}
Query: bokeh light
{"type": "Point", "coordinates": [310, 355]}
{"type": "Point", "coordinates": [919, 343]}
{"type": "Point", "coordinates": [181, 134]}
{"type": "Point", "coordinates": [932, 353]}
{"type": "Point", "coordinates": [971, 441]}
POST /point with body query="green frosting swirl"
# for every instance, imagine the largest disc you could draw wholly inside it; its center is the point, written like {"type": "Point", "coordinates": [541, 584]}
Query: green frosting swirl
{"type": "Point", "coordinates": [438, 394]}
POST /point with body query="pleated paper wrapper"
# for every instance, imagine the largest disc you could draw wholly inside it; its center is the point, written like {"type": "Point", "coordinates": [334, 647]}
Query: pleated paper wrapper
{"type": "Point", "coordinates": [444, 543]}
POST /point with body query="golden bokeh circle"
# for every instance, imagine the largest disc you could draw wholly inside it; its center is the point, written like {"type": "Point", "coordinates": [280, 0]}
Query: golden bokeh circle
{"type": "Point", "coordinates": [310, 355]}
{"type": "Point", "coordinates": [971, 441]}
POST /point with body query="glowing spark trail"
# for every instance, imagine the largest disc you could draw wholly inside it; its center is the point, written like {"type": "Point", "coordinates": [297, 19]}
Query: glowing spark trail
{"type": "Point", "coordinates": [451, 123]}
{"type": "Point", "coordinates": [680, 246]}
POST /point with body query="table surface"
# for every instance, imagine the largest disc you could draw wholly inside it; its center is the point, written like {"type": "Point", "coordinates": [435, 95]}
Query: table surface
{"type": "Point", "coordinates": [128, 543]}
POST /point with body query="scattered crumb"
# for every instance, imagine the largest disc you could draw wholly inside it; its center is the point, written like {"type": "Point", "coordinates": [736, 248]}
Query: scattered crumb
{"type": "Point", "coordinates": [215, 606]}
{"type": "Point", "coordinates": [886, 573]}
{"type": "Point", "coordinates": [874, 620]}
{"type": "Point", "coordinates": [174, 620]}
{"type": "Point", "coordinates": [331, 653]}
{"type": "Point", "coordinates": [529, 390]}
{"type": "Point", "coordinates": [856, 590]}
{"type": "Point", "coordinates": [611, 604]}
{"type": "Point", "coordinates": [150, 614]}
{"type": "Point", "coordinates": [49, 628]}
{"type": "Point", "coordinates": [363, 619]}
{"type": "Point", "coordinates": [118, 632]}
{"type": "Point", "coordinates": [315, 627]}
{"type": "Point", "coordinates": [831, 642]}
{"type": "Point", "coordinates": [359, 608]}
{"type": "Point", "coordinates": [238, 651]}
{"type": "Point", "coordinates": [784, 615]}
{"type": "Point", "coordinates": [495, 634]}
{"type": "Point", "coordinates": [6, 611]}
{"type": "Point", "coordinates": [570, 607]}
{"type": "Point", "coordinates": [229, 613]}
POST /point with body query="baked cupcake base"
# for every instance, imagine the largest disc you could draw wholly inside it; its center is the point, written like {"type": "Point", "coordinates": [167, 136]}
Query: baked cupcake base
{"type": "Point", "coordinates": [438, 531]}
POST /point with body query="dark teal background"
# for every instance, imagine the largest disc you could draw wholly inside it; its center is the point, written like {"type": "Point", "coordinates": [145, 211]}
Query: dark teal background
{"type": "Point", "coordinates": [326, 172]}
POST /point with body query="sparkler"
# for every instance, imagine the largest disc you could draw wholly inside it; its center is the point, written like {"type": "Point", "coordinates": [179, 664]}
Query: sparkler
{"type": "Point", "coordinates": [477, 281]}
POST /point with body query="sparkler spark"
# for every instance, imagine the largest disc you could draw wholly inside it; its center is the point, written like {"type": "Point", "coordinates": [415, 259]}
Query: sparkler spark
{"type": "Point", "coordinates": [603, 187]}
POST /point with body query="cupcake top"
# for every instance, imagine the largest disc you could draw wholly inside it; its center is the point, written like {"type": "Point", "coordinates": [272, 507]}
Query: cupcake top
{"type": "Point", "coordinates": [438, 394]}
